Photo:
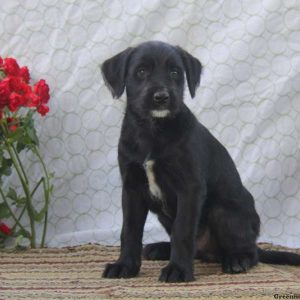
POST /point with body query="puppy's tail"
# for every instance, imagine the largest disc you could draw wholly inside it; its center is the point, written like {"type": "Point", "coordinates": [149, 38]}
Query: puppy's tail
{"type": "Point", "coordinates": [278, 257]}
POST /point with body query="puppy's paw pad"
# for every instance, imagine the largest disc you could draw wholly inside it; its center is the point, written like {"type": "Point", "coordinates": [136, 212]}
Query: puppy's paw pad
{"type": "Point", "coordinates": [118, 270]}
{"type": "Point", "coordinates": [173, 273]}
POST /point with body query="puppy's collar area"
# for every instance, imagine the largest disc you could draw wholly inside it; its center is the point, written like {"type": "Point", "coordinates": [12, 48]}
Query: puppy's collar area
{"type": "Point", "coordinates": [160, 113]}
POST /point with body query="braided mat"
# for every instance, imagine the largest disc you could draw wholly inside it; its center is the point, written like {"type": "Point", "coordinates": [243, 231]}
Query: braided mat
{"type": "Point", "coordinates": [75, 273]}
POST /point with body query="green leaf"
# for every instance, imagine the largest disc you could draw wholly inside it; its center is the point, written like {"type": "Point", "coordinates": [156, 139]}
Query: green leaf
{"type": "Point", "coordinates": [29, 115]}
{"type": "Point", "coordinates": [18, 244]}
{"type": "Point", "coordinates": [24, 142]}
{"type": "Point", "coordinates": [4, 211]}
{"type": "Point", "coordinates": [21, 201]}
{"type": "Point", "coordinates": [23, 232]}
{"type": "Point", "coordinates": [12, 194]}
{"type": "Point", "coordinates": [15, 135]}
{"type": "Point", "coordinates": [19, 239]}
{"type": "Point", "coordinates": [5, 167]}
{"type": "Point", "coordinates": [17, 200]}
{"type": "Point", "coordinates": [1, 157]}
{"type": "Point", "coordinates": [38, 216]}
{"type": "Point", "coordinates": [1, 134]}
{"type": "Point", "coordinates": [32, 135]}
{"type": "Point", "coordinates": [20, 145]}
{"type": "Point", "coordinates": [29, 133]}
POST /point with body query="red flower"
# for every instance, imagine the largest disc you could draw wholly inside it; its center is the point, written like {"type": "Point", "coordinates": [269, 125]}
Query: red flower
{"type": "Point", "coordinates": [18, 85]}
{"type": "Point", "coordinates": [24, 73]}
{"type": "Point", "coordinates": [19, 93]}
{"type": "Point", "coordinates": [5, 229]}
{"type": "Point", "coordinates": [13, 128]}
{"type": "Point", "coordinates": [15, 91]}
{"type": "Point", "coordinates": [32, 100]}
{"type": "Point", "coordinates": [43, 109]}
{"type": "Point", "coordinates": [15, 101]}
{"type": "Point", "coordinates": [11, 67]}
{"type": "Point", "coordinates": [41, 88]}
{"type": "Point", "coordinates": [4, 93]}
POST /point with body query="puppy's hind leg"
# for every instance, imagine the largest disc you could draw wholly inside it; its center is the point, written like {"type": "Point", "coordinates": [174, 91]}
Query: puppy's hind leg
{"type": "Point", "coordinates": [238, 253]}
{"type": "Point", "coordinates": [157, 251]}
{"type": "Point", "coordinates": [236, 231]}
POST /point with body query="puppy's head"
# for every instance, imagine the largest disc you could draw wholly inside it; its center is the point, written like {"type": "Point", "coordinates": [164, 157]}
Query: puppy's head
{"type": "Point", "coordinates": [153, 75]}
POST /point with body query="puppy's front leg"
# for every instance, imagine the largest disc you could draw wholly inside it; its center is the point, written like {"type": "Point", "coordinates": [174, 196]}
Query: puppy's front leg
{"type": "Point", "coordinates": [134, 217]}
{"type": "Point", "coordinates": [183, 237]}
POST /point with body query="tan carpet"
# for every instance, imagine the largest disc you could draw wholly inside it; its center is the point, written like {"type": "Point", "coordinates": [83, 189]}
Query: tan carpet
{"type": "Point", "coordinates": [75, 273]}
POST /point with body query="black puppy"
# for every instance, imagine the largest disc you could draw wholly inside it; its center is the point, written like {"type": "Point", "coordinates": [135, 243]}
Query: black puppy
{"type": "Point", "coordinates": [172, 165]}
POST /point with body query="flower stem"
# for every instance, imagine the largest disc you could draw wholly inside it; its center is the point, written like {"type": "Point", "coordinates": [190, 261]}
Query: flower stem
{"type": "Point", "coordinates": [26, 191]}
{"type": "Point", "coordinates": [20, 164]}
{"type": "Point", "coordinates": [17, 220]}
{"type": "Point", "coordinates": [47, 191]}
{"type": "Point", "coordinates": [37, 185]}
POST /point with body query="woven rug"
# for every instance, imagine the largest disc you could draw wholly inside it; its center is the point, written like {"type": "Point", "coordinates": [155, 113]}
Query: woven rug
{"type": "Point", "coordinates": [75, 273]}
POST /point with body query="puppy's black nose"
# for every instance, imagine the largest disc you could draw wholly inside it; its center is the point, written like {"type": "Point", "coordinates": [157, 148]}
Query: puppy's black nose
{"type": "Point", "coordinates": [161, 97]}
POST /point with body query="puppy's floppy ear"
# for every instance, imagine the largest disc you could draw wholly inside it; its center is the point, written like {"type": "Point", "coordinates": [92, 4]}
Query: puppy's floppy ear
{"type": "Point", "coordinates": [114, 72]}
{"type": "Point", "coordinates": [193, 70]}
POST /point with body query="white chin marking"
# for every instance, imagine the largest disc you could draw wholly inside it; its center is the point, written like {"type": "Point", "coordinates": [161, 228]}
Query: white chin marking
{"type": "Point", "coordinates": [160, 113]}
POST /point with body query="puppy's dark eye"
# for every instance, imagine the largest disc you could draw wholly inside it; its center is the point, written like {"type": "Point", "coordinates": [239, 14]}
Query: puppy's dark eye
{"type": "Point", "coordinates": [174, 74]}
{"type": "Point", "coordinates": [141, 72]}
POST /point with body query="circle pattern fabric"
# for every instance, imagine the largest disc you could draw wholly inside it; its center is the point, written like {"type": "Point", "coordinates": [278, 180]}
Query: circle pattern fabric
{"type": "Point", "coordinates": [249, 99]}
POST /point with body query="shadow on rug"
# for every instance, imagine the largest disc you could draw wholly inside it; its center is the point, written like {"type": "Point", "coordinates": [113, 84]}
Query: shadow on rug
{"type": "Point", "coordinates": [75, 273]}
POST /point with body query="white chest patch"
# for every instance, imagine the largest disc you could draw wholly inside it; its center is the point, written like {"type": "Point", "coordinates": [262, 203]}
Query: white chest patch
{"type": "Point", "coordinates": [153, 186]}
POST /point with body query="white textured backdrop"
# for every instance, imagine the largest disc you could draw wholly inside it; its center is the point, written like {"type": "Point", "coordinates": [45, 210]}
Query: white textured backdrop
{"type": "Point", "coordinates": [249, 98]}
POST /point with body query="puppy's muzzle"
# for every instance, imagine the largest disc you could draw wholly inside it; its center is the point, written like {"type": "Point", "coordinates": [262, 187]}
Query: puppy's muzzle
{"type": "Point", "coordinates": [161, 98]}
{"type": "Point", "coordinates": [161, 101]}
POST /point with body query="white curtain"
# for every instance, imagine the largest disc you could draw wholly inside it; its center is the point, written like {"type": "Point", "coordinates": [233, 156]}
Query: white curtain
{"type": "Point", "coordinates": [249, 98]}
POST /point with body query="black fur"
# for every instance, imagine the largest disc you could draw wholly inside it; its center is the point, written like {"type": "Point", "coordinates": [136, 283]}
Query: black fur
{"type": "Point", "coordinates": [204, 207]}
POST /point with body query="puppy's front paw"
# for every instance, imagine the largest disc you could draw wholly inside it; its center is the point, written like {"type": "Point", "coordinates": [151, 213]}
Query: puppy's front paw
{"type": "Point", "coordinates": [119, 270]}
{"type": "Point", "coordinates": [174, 273]}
